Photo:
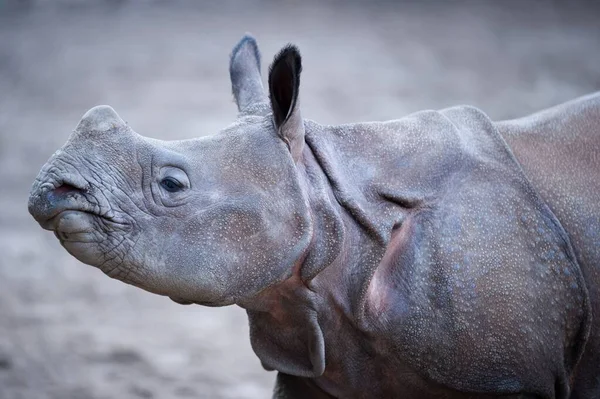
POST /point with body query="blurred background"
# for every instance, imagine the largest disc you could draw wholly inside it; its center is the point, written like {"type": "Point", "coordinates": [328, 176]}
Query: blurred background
{"type": "Point", "coordinates": [69, 332]}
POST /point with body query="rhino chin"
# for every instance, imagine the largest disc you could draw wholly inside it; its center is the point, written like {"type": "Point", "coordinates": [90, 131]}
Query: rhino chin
{"type": "Point", "coordinates": [182, 301]}
{"type": "Point", "coordinates": [91, 238]}
{"type": "Point", "coordinates": [74, 225]}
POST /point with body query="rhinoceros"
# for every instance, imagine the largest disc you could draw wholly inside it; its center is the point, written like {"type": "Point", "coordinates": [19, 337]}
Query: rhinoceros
{"type": "Point", "coordinates": [439, 255]}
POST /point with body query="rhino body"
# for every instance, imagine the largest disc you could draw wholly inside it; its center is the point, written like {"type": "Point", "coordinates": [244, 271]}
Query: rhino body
{"type": "Point", "coordinates": [441, 255]}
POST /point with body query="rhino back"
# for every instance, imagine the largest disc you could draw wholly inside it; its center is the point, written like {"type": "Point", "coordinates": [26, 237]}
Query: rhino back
{"type": "Point", "coordinates": [476, 287]}
{"type": "Point", "coordinates": [559, 150]}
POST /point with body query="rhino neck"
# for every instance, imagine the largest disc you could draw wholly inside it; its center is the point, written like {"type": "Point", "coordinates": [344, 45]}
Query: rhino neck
{"type": "Point", "coordinates": [285, 331]}
{"type": "Point", "coordinates": [364, 210]}
{"type": "Point", "coordinates": [286, 320]}
{"type": "Point", "coordinates": [351, 224]}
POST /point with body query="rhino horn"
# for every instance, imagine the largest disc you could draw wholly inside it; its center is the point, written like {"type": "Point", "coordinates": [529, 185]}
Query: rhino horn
{"type": "Point", "coordinates": [100, 118]}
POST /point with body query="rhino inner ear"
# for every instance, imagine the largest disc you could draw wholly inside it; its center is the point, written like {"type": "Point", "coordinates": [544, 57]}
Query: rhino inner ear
{"type": "Point", "coordinates": [284, 83]}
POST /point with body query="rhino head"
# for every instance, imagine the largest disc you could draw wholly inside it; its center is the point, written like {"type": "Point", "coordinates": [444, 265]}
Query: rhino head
{"type": "Point", "coordinates": [212, 220]}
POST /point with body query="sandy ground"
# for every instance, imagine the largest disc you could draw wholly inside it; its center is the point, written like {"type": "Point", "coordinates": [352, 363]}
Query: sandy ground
{"type": "Point", "coordinates": [69, 332]}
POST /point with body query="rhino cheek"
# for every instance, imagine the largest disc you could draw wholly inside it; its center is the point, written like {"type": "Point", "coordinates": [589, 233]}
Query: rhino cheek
{"type": "Point", "coordinates": [230, 253]}
{"type": "Point", "coordinates": [207, 259]}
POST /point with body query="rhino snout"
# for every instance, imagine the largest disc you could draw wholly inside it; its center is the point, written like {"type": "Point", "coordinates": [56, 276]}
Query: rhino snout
{"type": "Point", "coordinates": [65, 202]}
{"type": "Point", "coordinates": [48, 201]}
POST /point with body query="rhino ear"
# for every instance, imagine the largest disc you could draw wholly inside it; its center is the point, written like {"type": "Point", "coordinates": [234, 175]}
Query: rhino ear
{"type": "Point", "coordinates": [244, 71]}
{"type": "Point", "coordinates": [284, 83]}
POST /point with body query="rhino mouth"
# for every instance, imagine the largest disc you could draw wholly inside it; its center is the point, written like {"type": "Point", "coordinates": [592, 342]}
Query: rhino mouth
{"type": "Point", "coordinates": [67, 210]}
{"type": "Point", "coordinates": [74, 225]}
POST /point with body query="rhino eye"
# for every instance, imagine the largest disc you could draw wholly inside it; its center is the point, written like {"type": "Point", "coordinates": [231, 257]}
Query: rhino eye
{"type": "Point", "coordinates": [171, 185]}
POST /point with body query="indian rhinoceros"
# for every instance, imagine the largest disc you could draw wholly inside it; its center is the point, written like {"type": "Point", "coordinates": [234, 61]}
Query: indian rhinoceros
{"type": "Point", "coordinates": [440, 255]}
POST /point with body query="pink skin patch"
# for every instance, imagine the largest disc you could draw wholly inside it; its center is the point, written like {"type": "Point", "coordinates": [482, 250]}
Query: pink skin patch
{"type": "Point", "coordinates": [65, 189]}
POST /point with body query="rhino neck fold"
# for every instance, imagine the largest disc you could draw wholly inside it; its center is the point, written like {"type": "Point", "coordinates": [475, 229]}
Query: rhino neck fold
{"type": "Point", "coordinates": [366, 212]}
{"type": "Point", "coordinates": [285, 327]}
{"type": "Point", "coordinates": [352, 220]}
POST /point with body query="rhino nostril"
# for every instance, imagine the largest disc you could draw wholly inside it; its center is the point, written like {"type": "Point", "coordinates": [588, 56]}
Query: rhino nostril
{"type": "Point", "coordinates": [66, 188]}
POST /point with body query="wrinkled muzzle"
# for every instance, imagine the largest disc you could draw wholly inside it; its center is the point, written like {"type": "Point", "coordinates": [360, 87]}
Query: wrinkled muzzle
{"type": "Point", "coordinates": [52, 194]}
{"type": "Point", "coordinates": [62, 201]}
{"type": "Point", "coordinates": [59, 198]}
{"type": "Point", "coordinates": [65, 201]}
{"type": "Point", "coordinates": [60, 186]}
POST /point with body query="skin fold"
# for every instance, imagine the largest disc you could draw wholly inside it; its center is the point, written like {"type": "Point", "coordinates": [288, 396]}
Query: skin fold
{"type": "Point", "coordinates": [440, 255]}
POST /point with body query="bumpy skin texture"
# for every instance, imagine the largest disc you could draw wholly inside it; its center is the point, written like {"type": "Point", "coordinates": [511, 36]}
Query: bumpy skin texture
{"type": "Point", "coordinates": [423, 257]}
{"type": "Point", "coordinates": [559, 150]}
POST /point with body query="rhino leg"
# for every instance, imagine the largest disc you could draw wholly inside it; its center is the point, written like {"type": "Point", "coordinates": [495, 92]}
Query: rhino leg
{"type": "Point", "coordinates": [290, 387]}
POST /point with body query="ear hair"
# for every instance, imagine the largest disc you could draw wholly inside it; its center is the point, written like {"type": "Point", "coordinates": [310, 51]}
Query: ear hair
{"type": "Point", "coordinates": [284, 82]}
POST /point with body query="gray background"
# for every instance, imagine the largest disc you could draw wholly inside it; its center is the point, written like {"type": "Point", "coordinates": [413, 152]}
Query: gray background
{"type": "Point", "coordinates": [66, 330]}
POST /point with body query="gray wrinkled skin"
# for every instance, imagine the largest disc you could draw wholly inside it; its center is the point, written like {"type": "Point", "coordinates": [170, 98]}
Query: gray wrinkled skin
{"type": "Point", "coordinates": [440, 255]}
